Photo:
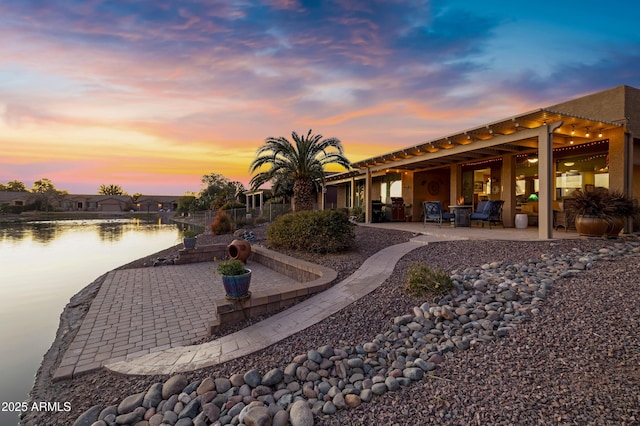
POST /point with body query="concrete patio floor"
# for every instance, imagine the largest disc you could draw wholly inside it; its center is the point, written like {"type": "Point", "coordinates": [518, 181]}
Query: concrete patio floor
{"type": "Point", "coordinates": [475, 232]}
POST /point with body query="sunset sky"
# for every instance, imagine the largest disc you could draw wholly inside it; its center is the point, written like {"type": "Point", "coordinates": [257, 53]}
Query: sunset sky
{"type": "Point", "coordinates": [151, 95]}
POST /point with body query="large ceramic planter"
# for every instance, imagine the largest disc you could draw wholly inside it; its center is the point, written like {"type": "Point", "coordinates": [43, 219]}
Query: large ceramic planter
{"type": "Point", "coordinates": [237, 286]}
{"type": "Point", "coordinates": [189, 243]}
{"type": "Point", "coordinates": [615, 226]}
{"type": "Point", "coordinates": [590, 226]}
{"type": "Point", "coordinates": [239, 250]}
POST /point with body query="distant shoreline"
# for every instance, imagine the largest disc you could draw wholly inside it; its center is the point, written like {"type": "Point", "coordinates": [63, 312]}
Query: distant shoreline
{"type": "Point", "coordinates": [31, 216]}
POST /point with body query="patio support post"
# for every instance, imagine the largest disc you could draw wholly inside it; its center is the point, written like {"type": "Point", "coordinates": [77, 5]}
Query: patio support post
{"type": "Point", "coordinates": [367, 197]}
{"type": "Point", "coordinates": [508, 177]}
{"type": "Point", "coordinates": [546, 176]}
{"type": "Point", "coordinates": [455, 190]}
{"type": "Point", "coordinates": [352, 201]}
{"type": "Point", "coordinates": [628, 182]}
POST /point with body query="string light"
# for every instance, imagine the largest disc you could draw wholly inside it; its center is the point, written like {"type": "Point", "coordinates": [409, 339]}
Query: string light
{"type": "Point", "coordinates": [477, 163]}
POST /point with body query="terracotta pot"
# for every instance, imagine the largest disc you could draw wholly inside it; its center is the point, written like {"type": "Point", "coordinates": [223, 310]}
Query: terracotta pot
{"type": "Point", "coordinates": [239, 250]}
{"type": "Point", "coordinates": [237, 286]}
{"type": "Point", "coordinates": [615, 226]}
{"type": "Point", "coordinates": [591, 226]}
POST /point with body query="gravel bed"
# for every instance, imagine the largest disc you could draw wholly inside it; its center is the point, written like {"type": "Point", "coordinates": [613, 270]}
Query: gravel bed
{"type": "Point", "coordinates": [576, 362]}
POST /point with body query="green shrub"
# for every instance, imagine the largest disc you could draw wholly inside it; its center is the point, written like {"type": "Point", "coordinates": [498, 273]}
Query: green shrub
{"type": "Point", "coordinates": [422, 281]}
{"type": "Point", "coordinates": [189, 233]}
{"type": "Point", "coordinates": [231, 267]}
{"type": "Point", "coordinates": [221, 224]}
{"type": "Point", "coordinates": [325, 231]}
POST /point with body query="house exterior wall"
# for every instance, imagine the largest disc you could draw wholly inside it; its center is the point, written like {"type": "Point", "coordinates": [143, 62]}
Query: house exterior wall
{"type": "Point", "coordinates": [432, 185]}
{"type": "Point", "coordinates": [620, 104]}
{"type": "Point", "coordinates": [608, 105]}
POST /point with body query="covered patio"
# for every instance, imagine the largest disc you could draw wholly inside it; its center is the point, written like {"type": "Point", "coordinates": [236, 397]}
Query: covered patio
{"type": "Point", "coordinates": [531, 161]}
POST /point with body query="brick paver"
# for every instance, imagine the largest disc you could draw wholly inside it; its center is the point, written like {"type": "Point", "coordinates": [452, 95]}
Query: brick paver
{"type": "Point", "coordinates": [367, 278]}
{"type": "Point", "coordinates": [142, 311]}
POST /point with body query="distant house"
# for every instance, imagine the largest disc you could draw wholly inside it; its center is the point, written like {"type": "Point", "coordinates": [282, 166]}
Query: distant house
{"type": "Point", "coordinates": [157, 203]}
{"type": "Point", "coordinates": [18, 199]}
{"type": "Point", "coordinates": [95, 203]}
{"type": "Point", "coordinates": [256, 198]}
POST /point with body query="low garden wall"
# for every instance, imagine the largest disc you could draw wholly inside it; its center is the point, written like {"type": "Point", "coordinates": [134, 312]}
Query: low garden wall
{"type": "Point", "coordinates": [311, 278]}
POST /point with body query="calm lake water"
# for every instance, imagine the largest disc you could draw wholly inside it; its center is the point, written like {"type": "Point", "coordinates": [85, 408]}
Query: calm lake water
{"type": "Point", "coordinates": [43, 264]}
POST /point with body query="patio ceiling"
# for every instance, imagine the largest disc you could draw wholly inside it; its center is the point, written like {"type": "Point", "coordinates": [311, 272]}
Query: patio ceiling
{"type": "Point", "coordinates": [466, 146]}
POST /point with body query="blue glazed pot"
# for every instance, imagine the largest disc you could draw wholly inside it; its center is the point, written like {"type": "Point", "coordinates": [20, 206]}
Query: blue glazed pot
{"type": "Point", "coordinates": [237, 286]}
{"type": "Point", "coordinates": [189, 243]}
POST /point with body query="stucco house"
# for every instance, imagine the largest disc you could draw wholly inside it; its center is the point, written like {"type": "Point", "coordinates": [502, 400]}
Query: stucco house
{"type": "Point", "coordinates": [14, 198]}
{"type": "Point", "coordinates": [531, 161]}
{"type": "Point", "coordinates": [157, 203]}
{"type": "Point", "coordinates": [95, 203]}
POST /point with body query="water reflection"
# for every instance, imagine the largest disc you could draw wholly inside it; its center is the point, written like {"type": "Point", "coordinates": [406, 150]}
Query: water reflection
{"type": "Point", "coordinates": [111, 230]}
{"type": "Point", "coordinates": [43, 264]}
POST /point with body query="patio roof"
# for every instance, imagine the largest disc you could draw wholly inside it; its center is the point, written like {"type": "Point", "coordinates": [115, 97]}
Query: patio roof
{"type": "Point", "coordinates": [475, 144]}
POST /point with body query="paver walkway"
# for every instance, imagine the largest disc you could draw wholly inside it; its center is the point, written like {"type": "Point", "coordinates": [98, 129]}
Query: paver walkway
{"type": "Point", "coordinates": [139, 311]}
{"type": "Point", "coordinates": [373, 272]}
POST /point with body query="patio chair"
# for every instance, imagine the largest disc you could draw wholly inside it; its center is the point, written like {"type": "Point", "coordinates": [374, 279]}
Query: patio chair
{"type": "Point", "coordinates": [489, 211]}
{"type": "Point", "coordinates": [433, 212]}
{"type": "Point", "coordinates": [565, 216]}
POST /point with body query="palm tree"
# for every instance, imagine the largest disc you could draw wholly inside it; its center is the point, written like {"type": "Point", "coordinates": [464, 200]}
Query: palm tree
{"type": "Point", "coordinates": [303, 163]}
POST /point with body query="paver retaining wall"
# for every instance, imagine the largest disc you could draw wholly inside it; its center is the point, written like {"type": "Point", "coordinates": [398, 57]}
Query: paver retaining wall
{"type": "Point", "coordinates": [311, 279]}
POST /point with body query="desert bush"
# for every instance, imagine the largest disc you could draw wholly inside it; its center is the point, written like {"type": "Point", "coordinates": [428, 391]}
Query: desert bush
{"type": "Point", "coordinates": [260, 220]}
{"type": "Point", "coordinates": [324, 231]}
{"type": "Point", "coordinates": [243, 222]}
{"type": "Point", "coordinates": [221, 224]}
{"type": "Point", "coordinates": [423, 281]}
{"type": "Point", "coordinates": [358, 212]}
{"type": "Point", "coordinates": [229, 205]}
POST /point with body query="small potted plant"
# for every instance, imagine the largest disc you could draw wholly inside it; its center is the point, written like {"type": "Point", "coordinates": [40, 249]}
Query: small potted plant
{"type": "Point", "coordinates": [189, 238]}
{"type": "Point", "coordinates": [236, 279]}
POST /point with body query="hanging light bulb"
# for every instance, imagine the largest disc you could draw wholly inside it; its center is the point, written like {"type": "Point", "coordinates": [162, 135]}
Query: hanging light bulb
{"type": "Point", "coordinates": [587, 134]}
{"type": "Point", "coordinates": [600, 134]}
{"type": "Point", "coordinates": [571, 141]}
{"type": "Point", "coordinates": [573, 130]}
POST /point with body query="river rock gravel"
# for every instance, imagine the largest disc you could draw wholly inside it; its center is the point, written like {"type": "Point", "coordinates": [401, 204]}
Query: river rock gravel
{"type": "Point", "coordinates": [574, 361]}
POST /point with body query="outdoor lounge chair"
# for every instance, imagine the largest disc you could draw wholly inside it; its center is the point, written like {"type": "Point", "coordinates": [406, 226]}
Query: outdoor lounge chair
{"type": "Point", "coordinates": [488, 211]}
{"type": "Point", "coordinates": [433, 212]}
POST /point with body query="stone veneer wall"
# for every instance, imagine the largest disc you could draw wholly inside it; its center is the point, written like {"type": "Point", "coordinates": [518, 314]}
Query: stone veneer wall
{"type": "Point", "coordinates": [311, 279]}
